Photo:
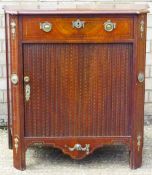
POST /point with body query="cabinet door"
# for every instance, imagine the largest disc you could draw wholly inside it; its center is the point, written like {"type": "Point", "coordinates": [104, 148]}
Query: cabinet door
{"type": "Point", "coordinates": [78, 89]}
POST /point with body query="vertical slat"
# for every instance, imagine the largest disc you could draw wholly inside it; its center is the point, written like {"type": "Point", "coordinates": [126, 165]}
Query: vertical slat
{"type": "Point", "coordinates": [47, 78]}
{"type": "Point", "coordinates": [104, 102]}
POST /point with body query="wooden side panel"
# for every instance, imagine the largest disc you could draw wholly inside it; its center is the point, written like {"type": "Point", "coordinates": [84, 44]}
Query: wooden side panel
{"type": "Point", "coordinates": [139, 90]}
{"type": "Point", "coordinates": [9, 100]}
{"type": "Point", "coordinates": [17, 104]}
{"type": "Point", "coordinates": [78, 89]}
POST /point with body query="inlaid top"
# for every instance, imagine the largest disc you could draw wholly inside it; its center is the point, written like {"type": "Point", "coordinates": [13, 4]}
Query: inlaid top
{"type": "Point", "coordinates": [81, 9]}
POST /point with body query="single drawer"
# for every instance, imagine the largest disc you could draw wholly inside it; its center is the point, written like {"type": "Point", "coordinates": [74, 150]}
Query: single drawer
{"type": "Point", "coordinates": [77, 28]}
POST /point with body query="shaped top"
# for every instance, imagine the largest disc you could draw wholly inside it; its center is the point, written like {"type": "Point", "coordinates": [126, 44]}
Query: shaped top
{"type": "Point", "coordinates": [80, 9]}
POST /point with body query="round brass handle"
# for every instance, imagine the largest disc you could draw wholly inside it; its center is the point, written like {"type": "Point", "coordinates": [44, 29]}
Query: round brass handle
{"type": "Point", "coordinates": [109, 26]}
{"type": "Point", "coordinates": [46, 26]}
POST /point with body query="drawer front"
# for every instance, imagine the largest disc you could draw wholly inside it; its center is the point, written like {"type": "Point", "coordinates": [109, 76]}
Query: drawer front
{"type": "Point", "coordinates": [69, 28]}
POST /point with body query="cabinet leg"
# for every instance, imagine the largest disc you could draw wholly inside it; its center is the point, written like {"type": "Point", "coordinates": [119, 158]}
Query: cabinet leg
{"type": "Point", "coordinates": [19, 160]}
{"type": "Point", "coordinates": [135, 158]}
{"type": "Point", "coordinates": [10, 142]}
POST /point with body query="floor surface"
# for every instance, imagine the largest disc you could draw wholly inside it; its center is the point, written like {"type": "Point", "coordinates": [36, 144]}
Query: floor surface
{"type": "Point", "coordinates": [111, 160]}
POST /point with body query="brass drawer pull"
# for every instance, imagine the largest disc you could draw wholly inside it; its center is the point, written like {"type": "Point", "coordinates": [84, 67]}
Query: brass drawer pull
{"type": "Point", "coordinates": [109, 26]}
{"type": "Point", "coordinates": [46, 26]}
{"type": "Point", "coordinates": [78, 147]}
{"type": "Point", "coordinates": [78, 24]}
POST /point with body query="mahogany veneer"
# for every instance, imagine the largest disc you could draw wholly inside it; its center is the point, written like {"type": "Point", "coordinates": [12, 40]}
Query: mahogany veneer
{"type": "Point", "coordinates": [62, 30]}
{"type": "Point", "coordinates": [77, 79]}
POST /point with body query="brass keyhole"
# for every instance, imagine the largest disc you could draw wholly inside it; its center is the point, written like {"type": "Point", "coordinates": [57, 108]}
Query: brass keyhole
{"type": "Point", "coordinates": [78, 24]}
{"type": "Point", "coordinates": [27, 88]}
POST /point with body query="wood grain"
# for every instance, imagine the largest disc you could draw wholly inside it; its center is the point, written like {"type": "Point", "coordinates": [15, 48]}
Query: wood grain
{"type": "Point", "coordinates": [62, 29]}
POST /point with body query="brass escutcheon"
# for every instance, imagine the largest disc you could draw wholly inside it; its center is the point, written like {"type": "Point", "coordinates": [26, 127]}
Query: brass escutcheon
{"type": "Point", "coordinates": [78, 24]}
{"type": "Point", "coordinates": [78, 147]}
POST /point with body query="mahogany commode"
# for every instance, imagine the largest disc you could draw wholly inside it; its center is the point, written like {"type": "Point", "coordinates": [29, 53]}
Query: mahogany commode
{"type": "Point", "coordinates": [76, 79]}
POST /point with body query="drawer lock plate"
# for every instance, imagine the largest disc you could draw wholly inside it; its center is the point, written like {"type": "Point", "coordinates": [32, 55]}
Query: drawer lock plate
{"type": "Point", "coordinates": [78, 24]}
